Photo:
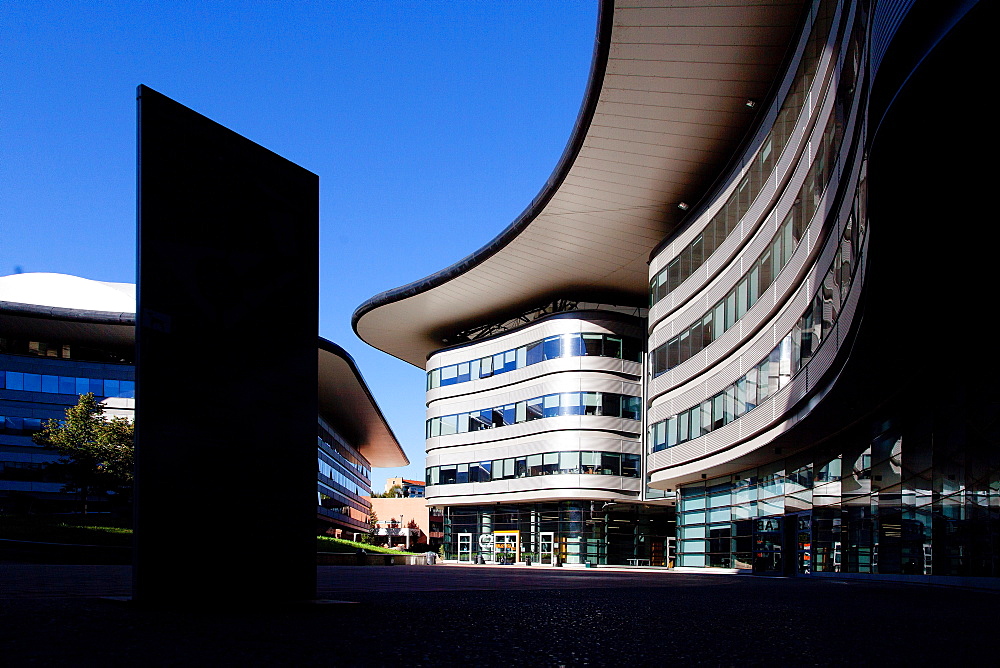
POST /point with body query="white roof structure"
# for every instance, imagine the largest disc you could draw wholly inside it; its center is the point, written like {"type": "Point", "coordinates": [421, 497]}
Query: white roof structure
{"type": "Point", "coordinates": [68, 292]}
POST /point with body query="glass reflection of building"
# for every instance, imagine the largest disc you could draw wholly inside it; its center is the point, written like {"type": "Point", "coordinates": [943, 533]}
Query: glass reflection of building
{"type": "Point", "coordinates": [62, 336]}
{"type": "Point", "coordinates": [811, 391]}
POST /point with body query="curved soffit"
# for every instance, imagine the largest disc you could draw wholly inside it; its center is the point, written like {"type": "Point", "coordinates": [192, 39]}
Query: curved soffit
{"type": "Point", "coordinates": [348, 405]}
{"type": "Point", "coordinates": [664, 111]}
{"type": "Point", "coordinates": [60, 307]}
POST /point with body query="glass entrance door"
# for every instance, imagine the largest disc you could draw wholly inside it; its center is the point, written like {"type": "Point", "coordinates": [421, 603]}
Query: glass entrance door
{"type": "Point", "coordinates": [803, 542]}
{"type": "Point", "coordinates": [546, 548]}
{"type": "Point", "coordinates": [465, 547]}
{"type": "Point", "coordinates": [505, 546]}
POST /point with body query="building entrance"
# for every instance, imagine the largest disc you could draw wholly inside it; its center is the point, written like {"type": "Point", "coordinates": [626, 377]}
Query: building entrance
{"type": "Point", "coordinates": [767, 545]}
{"type": "Point", "coordinates": [783, 545]}
{"type": "Point", "coordinates": [798, 540]}
{"type": "Point", "coordinates": [547, 548]}
{"type": "Point", "coordinates": [465, 547]}
{"type": "Point", "coordinates": [505, 546]}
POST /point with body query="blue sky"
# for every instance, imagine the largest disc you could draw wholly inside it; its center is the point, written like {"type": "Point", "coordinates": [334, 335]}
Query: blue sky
{"type": "Point", "coordinates": [430, 124]}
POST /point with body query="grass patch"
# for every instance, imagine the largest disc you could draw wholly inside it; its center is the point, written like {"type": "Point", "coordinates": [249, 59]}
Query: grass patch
{"type": "Point", "coordinates": [328, 544]}
{"type": "Point", "coordinates": [107, 531]}
{"type": "Point", "coordinates": [76, 530]}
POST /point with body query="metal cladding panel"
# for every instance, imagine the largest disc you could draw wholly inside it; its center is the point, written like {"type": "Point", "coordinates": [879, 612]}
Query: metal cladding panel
{"type": "Point", "coordinates": [757, 419]}
{"type": "Point", "coordinates": [659, 411]}
{"type": "Point", "coordinates": [687, 451]}
{"type": "Point", "coordinates": [659, 385]}
{"type": "Point", "coordinates": [755, 214]}
{"type": "Point", "coordinates": [722, 438]}
{"type": "Point", "coordinates": [657, 460]}
{"type": "Point", "coordinates": [798, 388]}
{"type": "Point", "coordinates": [576, 441]}
{"type": "Point", "coordinates": [793, 310]}
{"type": "Point", "coordinates": [688, 398]}
{"type": "Point", "coordinates": [662, 308]}
{"type": "Point", "coordinates": [827, 255]}
{"type": "Point", "coordinates": [760, 349]}
{"type": "Point", "coordinates": [559, 442]}
{"type": "Point", "coordinates": [549, 426]}
{"type": "Point", "coordinates": [444, 498]}
{"type": "Point", "coordinates": [782, 401]}
{"type": "Point", "coordinates": [850, 306]}
{"type": "Point", "coordinates": [821, 362]}
{"type": "Point", "coordinates": [217, 215]}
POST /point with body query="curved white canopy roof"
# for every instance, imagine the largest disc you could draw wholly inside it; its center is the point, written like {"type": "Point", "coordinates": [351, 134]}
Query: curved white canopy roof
{"type": "Point", "coordinates": [664, 112]}
{"type": "Point", "coordinates": [68, 292]}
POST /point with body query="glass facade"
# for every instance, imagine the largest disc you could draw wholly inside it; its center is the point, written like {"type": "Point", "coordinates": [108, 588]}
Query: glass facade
{"type": "Point", "coordinates": [764, 270]}
{"type": "Point", "coordinates": [35, 387]}
{"type": "Point", "coordinates": [70, 385]}
{"type": "Point", "coordinates": [106, 353]}
{"type": "Point", "coordinates": [906, 498]}
{"type": "Point", "coordinates": [571, 532]}
{"type": "Point", "coordinates": [343, 485]}
{"type": "Point", "coordinates": [790, 356]}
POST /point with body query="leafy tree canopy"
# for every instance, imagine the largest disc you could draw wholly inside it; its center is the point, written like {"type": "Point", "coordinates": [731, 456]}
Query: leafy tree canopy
{"type": "Point", "coordinates": [97, 453]}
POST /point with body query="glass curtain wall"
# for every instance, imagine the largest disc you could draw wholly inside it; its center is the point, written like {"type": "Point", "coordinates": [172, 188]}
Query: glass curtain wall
{"type": "Point", "coordinates": [594, 532]}
{"type": "Point", "coordinates": [891, 503]}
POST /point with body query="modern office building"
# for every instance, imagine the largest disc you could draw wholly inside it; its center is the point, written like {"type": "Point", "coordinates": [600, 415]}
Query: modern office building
{"type": "Point", "coordinates": [739, 289]}
{"type": "Point", "coordinates": [62, 336]}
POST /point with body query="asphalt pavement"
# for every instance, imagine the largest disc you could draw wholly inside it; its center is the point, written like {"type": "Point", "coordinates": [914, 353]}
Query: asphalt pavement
{"type": "Point", "coordinates": [449, 615]}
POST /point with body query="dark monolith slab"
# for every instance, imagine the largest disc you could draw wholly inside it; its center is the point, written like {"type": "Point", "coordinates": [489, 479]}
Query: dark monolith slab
{"type": "Point", "coordinates": [226, 365]}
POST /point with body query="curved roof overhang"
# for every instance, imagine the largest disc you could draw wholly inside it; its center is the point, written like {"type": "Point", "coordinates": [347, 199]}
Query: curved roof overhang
{"type": "Point", "coordinates": [664, 111]}
{"type": "Point", "coordinates": [60, 307]}
{"type": "Point", "coordinates": [67, 324]}
{"type": "Point", "coordinates": [348, 405]}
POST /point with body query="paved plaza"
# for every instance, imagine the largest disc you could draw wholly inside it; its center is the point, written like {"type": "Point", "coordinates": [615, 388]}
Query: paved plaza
{"type": "Point", "coordinates": [501, 616]}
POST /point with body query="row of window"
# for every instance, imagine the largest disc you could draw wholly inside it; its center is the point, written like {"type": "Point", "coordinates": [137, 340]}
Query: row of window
{"type": "Point", "coordinates": [552, 347]}
{"type": "Point", "coordinates": [35, 382]}
{"type": "Point", "coordinates": [329, 437]}
{"type": "Point", "coordinates": [549, 463]}
{"type": "Point", "coordinates": [29, 472]}
{"type": "Point", "coordinates": [724, 315]}
{"type": "Point", "coordinates": [783, 362]}
{"type": "Point", "coordinates": [727, 219]}
{"type": "Point", "coordinates": [67, 351]}
{"type": "Point", "coordinates": [19, 426]}
{"type": "Point", "coordinates": [550, 405]}
{"type": "Point", "coordinates": [341, 478]}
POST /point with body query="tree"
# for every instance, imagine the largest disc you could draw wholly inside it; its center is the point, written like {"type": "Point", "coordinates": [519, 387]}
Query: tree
{"type": "Point", "coordinates": [97, 454]}
{"type": "Point", "coordinates": [372, 526]}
